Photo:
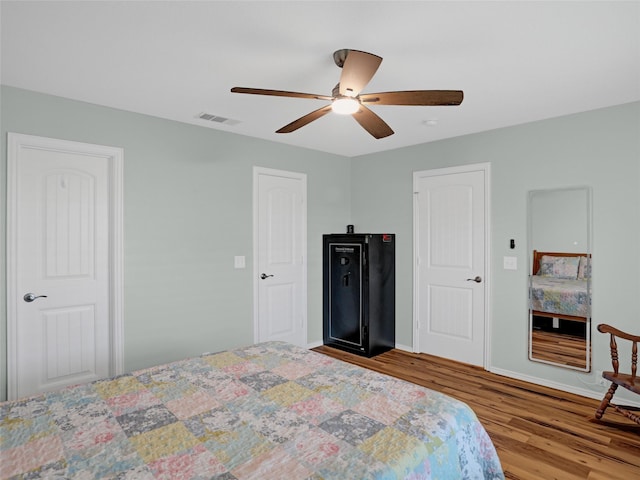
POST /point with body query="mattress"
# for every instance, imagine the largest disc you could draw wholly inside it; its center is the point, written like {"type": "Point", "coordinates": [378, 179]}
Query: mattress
{"type": "Point", "coordinates": [560, 296]}
{"type": "Point", "coordinates": [266, 411]}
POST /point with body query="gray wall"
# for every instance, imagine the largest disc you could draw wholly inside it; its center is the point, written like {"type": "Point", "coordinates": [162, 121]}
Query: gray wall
{"type": "Point", "coordinates": [188, 212]}
{"type": "Point", "coordinates": [599, 148]}
{"type": "Point", "coordinates": [558, 220]}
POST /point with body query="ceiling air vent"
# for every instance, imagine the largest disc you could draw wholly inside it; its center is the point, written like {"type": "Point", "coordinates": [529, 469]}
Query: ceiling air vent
{"type": "Point", "coordinates": [217, 119]}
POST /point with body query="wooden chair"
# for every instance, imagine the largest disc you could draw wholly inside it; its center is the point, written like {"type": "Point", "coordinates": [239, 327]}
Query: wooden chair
{"type": "Point", "coordinates": [629, 381]}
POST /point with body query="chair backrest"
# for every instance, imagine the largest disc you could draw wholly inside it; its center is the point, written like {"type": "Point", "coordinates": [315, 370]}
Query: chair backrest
{"type": "Point", "coordinates": [615, 333]}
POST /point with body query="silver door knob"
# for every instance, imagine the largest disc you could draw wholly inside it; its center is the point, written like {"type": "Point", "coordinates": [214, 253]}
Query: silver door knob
{"type": "Point", "coordinates": [264, 275]}
{"type": "Point", "coordinates": [30, 297]}
{"type": "Point", "coordinates": [477, 279]}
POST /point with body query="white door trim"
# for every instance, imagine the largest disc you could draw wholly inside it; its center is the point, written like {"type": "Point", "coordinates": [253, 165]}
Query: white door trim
{"type": "Point", "coordinates": [115, 158]}
{"type": "Point", "coordinates": [486, 168]}
{"type": "Point", "coordinates": [257, 171]}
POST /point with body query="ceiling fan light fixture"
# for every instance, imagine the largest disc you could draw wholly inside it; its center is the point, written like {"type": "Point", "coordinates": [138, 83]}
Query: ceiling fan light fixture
{"type": "Point", "coordinates": [358, 68]}
{"type": "Point", "coordinates": [345, 105]}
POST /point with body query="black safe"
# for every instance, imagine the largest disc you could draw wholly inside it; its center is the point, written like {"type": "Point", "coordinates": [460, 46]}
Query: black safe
{"type": "Point", "coordinates": [359, 292]}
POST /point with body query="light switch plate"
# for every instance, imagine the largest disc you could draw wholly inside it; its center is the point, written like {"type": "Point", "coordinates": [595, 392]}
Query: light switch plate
{"type": "Point", "coordinates": [510, 263]}
{"type": "Point", "coordinates": [238, 261]}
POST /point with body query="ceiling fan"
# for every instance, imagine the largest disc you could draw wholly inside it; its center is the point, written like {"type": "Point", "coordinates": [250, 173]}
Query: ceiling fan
{"type": "Point", "coordinates": [358, 68]}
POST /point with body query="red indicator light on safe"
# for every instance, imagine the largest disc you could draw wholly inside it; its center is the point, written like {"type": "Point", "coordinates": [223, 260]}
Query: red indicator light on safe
{"type": "Point", "coordinates": [386, 237]}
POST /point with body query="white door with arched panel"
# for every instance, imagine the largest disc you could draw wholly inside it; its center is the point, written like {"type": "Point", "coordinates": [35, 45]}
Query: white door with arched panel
{"type": "Point", "coordinates": [64, 264]}
{"type": "Point", "coordinates": [280, 252]}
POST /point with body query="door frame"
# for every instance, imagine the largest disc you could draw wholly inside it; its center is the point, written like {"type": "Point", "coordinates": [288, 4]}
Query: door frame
{"type": "Point", "coordinates": [486, 168]}
{"type": "Point", "coordinates": [257, 171]}
{"type": "Point", "coordinates": [115, 157]}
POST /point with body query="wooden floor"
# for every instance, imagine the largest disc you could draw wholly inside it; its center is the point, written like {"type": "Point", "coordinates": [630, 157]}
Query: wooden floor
{"type": "Point", "coordinates": [559, 348]}
{"type": "Point", "coordinates": [539, 433]}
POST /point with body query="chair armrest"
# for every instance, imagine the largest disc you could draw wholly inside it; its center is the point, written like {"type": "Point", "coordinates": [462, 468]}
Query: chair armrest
{"type": "Point", "coordinates": [604, 328]}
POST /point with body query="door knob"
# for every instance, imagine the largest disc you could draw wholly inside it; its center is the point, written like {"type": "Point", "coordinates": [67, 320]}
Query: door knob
{"type": "Point", "coordinates": [30, 297]}
{"type": "Point", "coordinates": [264, 275]}
{"type": "Point", "coordinates": [478, 279]}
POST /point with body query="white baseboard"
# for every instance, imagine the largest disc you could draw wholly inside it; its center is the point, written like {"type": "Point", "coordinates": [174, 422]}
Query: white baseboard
{"type": "Point", "coordinates": [583, 392]}
{"type": "Point", "coordinates": [399, 346]}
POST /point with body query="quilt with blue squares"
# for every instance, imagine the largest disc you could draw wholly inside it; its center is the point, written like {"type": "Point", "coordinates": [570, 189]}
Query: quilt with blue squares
{"type": "Point", "coordinates": [266, 411]}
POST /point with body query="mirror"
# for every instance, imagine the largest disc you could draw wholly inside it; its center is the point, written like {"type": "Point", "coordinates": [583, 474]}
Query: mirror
{"type": "Point", "coordinates": [559, 252]}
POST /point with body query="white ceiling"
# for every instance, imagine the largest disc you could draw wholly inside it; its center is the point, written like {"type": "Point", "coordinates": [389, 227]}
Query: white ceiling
{"type": "Point", "coordinates": [515, 61]}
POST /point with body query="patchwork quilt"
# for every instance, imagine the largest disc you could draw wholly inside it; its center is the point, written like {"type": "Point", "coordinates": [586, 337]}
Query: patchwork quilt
{"type": "Point", "coordinates": [561, 296]}
{"type": "Point", "coordinates": [267, 411]}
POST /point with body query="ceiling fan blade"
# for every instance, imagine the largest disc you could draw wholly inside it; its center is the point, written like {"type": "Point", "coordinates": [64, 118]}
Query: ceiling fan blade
{"type": "Point", "coordinates": [414, 97]}
{"type": "Point", "coordinates": [305, 120]}
{"type": "Point", "coordinates": [357, 71]}
{"type": "Point", "coordinates": [279, 93]}
{"type": "Point", "coordinates": [372, 123]}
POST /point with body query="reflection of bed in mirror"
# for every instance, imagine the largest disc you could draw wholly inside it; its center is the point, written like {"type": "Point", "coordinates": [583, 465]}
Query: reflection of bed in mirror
{"type": "Point", "coordinates": [560, 305]}
{"type": "Point", "coordinates": [560, 285]}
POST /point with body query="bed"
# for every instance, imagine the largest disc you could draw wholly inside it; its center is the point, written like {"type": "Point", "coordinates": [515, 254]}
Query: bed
{"type": "Point", "coordinates": [560, 285]}
{"type": "Point", "coordinates": [266, 411]}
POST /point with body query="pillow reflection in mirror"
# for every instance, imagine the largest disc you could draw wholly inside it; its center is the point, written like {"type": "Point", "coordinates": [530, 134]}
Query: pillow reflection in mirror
{"type": "Point", "coordinates": [559, 267]}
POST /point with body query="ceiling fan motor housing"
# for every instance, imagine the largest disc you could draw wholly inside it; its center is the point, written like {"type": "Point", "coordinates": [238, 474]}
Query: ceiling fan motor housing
{"type": "Point", "coordinates": [339, 56]}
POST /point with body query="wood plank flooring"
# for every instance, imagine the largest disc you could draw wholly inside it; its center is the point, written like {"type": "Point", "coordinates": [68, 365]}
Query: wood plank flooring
{"type": "Point", "coordinates": [539, 433]}
{"type": "Point", "coordinates": [559, 348]}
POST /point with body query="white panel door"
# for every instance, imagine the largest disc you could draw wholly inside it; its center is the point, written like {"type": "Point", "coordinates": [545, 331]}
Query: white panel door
{"type": "Point", "coordinates": [60, 317]}
{"type": "Point", "coordinates": [280, 256]}
{"type": "Point", "coordinates": [450, 264]}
